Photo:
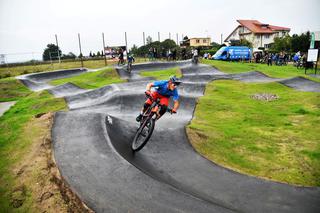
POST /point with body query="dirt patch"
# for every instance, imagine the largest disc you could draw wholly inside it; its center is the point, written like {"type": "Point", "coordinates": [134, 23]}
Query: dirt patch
{"type": "Point", "coordinates": [195, 136]}
{"type": "Point", "coordinates": [264, 97]}
{"type": "Point", "coordinates": [40, 183]}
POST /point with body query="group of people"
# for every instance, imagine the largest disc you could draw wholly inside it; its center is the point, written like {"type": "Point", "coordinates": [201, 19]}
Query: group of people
{"type": "Point", "coordinates": [207, 56]}
{"type": "Point", "coordinates": [154, 53]}
{"type": "Point", "coordinates": [121, 57]}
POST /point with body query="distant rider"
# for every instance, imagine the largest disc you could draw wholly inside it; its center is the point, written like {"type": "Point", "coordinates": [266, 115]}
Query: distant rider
{"type": "Point", "coordinates": [121, 57]}
{"type": "Point", "coordinates": [163, 90]}
{"type": "Point", "coordinates": [130, 59]}
{"type": "Point", "coordinates": [195, 56]}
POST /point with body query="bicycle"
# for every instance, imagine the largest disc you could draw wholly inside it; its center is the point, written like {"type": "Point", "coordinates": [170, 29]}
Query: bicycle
{"type": "Point", "coordinates": [129, 66]}
{"type": "Point", "coordinates": [195, 60]}
{"type": "Point", "coordinates": [147, 124]}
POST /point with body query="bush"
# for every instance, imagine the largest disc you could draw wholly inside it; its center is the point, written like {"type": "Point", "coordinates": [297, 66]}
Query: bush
{"type": "Point", "coordinates": [211, 51]}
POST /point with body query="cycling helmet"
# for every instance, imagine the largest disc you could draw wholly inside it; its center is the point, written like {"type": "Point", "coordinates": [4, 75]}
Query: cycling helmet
{"type": "Point", "coordinates": [175, 80]}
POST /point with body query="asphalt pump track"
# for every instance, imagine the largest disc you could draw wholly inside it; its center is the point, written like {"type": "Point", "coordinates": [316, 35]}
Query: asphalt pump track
{"type": "Point", "coordinates": [92, 150]}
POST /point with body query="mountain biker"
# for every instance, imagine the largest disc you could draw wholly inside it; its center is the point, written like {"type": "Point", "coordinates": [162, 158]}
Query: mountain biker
{"type": "Point", "coordinates": [164, 90]}
{"type": "Point", "coordinates": [121, 57]}
{"type": "Point", "coordinates": [130, 59]}
{"type": "Point", "coordinates": [195, 56]}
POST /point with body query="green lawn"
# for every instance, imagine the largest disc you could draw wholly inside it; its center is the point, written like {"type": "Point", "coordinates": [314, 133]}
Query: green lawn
{"type": "Point", "coordinates": [15, 141]}
{"type": "Point", "coordinates": [162, 74]}
{"type": "Point", "coordinates": [272, 71]}
{"type": "Point", "coordinates": [92, 80]}
{"type": "Point", "coordinates": [12, 89]}
{"type": "Point", "coordinates": [278, 140]}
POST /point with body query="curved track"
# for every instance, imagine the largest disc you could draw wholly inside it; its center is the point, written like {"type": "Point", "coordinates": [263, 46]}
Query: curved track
{"type": "Point", "coordinates": [92, 150]}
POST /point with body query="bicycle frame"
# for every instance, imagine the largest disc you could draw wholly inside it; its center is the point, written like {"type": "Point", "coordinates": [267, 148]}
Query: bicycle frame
{"type": "Point", "coordinates": [153, 109]}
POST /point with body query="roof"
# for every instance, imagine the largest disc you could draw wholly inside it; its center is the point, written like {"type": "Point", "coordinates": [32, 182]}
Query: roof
{"type": "Point", "coordinates": [258, 27]}
{"type": "Point", "coordinates": [200, 38]}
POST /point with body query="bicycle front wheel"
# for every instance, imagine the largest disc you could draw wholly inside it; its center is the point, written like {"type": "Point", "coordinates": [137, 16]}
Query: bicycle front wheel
{"type": "Point", "coordinates": [143, 135]}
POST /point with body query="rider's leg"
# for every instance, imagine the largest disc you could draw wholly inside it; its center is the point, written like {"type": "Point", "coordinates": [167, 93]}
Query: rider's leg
{"type": "Point", "coordinates": [164, 102]}
{"type": "Point", "coordinates": [163, 109]}
{"type": "Point", "coordinates": [146, 105]}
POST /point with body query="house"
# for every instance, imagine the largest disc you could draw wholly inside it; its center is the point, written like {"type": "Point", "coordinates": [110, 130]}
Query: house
{"type": "Point", "coordinates": [196, 42]}
{"type": "Point", "coordinates": [260, 35]}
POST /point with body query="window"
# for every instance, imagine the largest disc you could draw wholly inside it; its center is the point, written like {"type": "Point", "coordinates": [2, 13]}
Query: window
{"type": "Point", "coordinates": [266, 36]}
{"type": "Point", "coordinates": [204, 41]}
{"type": "Point", "coordinates": [258, 36]}
{"type": "Point", "coordinates": [283, 33]}
{"type": "Point", "coordinates": [198, 41]}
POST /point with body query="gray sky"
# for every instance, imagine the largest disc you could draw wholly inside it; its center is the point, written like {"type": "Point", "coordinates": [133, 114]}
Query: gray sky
{"type": "Point", "coordinates": [28, 26]}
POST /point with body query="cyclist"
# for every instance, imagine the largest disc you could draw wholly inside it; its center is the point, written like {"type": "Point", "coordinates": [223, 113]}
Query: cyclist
{"type": "Point", "coordinates": [121, 57]}
{"type": "Point", "coordinates": [130, 61]}
{"type": "Point", "coordinates": [195, 56]}
{"type": "Point", "coordinates": [164, 90]}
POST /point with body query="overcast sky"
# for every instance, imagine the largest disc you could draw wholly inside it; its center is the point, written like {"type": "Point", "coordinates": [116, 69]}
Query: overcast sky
{"type": "Point", "coordinates": [27, 26]}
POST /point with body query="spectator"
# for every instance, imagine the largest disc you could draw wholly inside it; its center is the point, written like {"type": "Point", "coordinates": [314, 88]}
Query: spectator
{"type": "Point", "coordinates": [269, 59]}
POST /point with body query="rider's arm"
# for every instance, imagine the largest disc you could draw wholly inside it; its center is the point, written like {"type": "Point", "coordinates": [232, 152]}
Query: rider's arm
{"type": "Point", "coordinates": [175, 100]}
{"type": "Point", "coordinates": [149, 86]}
{"type": "Point", "coordinates": [175, 106]}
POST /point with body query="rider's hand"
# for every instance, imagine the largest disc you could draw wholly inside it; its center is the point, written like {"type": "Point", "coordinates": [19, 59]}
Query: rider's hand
{"type": "Point", "coordinates": [148, 93]}
{"type": "Point", "coordinates": [173, 111]}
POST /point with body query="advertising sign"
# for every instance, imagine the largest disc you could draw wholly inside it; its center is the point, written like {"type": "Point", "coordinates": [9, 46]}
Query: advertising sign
{"type": "Point", "coordinates": [312, 55]}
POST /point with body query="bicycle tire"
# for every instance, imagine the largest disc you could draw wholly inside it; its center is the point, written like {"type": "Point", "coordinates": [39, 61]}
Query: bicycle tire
{"type": "Point", "coordinates": [138, 147]}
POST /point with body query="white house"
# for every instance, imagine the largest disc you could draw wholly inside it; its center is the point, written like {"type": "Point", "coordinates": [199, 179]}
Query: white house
{"type": "Point", "coordinates": [259, 34]}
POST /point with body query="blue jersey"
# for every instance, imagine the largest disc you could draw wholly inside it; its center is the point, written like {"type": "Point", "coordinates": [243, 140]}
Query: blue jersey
{"type": "Point", "coordinates": [162, 89]}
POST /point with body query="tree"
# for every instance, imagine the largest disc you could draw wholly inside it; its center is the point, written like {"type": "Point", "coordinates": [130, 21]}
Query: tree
{"type": "Point", "coordinates": [215, 45]}
{"type": "Point", "coordinates": [245, 42]}
{"type": "Point", "coordinates": [51, 52]}
{"type": "Point", "coordinates": [149, 40]}
{"type": "Point", "coordinates": [185, 38]}
{"type": "Point", "coordinates": [70, 55]}
{"type": "Point", "coordinates": [134, 50]}
{"type": "Point", "coordinates": [282, 44]}
{"type": "Point", "coordinates": [98, 54]}
{"type": "Point", "coordinates": [90, 55]}
{"type": "Point", "coordinates": [300, 43]}
{"type": "Point", "coordinates": [241, 42]}
{"type": "Point", "coordinates": [168, 44]}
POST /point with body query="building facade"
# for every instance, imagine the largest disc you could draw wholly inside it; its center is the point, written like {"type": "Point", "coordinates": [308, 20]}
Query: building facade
{"type": "Point", "coordinates": [196, 42]}
{"type": "Point", "coordinates": [259, 34]}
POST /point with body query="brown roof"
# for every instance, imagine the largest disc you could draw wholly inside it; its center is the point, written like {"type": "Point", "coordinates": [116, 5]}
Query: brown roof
{"type": "Point", "coordinates": [257, 27]}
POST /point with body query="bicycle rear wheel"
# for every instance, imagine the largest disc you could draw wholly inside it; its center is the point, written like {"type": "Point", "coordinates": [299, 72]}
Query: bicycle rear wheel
{"type": "Point", "coordinates": [143, 135]}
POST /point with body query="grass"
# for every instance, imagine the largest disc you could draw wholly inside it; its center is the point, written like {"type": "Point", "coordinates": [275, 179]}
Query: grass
{"type": "Point", "coordinates": [12, 89]}
{"type": "Point", "coordinates": [14, 141]}
{"type": "Point", "coordinates": [272, 71]}
{"type": "Point", "coordinates": [162, 74]}
{"type": "Point", "coordinates": [92, 80]}
{"type": "Point", "coordinates": [277, 140]}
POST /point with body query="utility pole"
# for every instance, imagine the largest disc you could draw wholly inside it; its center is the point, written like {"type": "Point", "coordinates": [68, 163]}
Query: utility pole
{"type": "Point", "coordinates": [159, 36]}
{"type": "Point", "coordinates": [144, 40]}
{"type": "Point", "coordinates": [58, 48]}
{"type": "Point", "coordinates": [125, 35]}
{"type": "Point", "coordinates": [177, 39]}
{"type": "Point", "coordinates": [80, 50]}
{"type": "Point", "coordinates": [221, 39]}
{"type": "Point", "coordinates": [104, 51]}
{"type": "Point", "coordinates": [169, 35]}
